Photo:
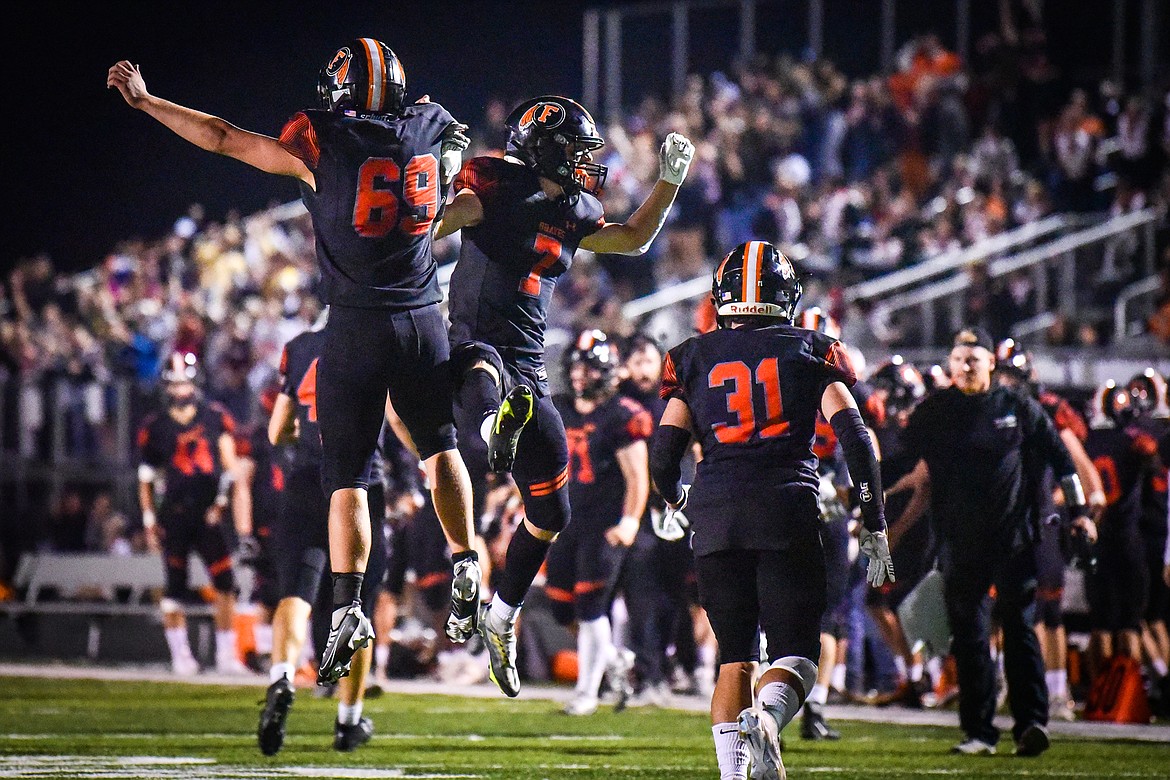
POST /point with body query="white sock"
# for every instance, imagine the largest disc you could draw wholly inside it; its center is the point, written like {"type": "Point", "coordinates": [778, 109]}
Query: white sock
{"type": "Point", "coordinates": [730, 751]}
{"type": "Point", "coordinates": [178, 643]}
{"type": "Point", "coordinates": [381, 658]}
{"type": "Point", "coordinates": [837, 680]}
{"type": "Point", "coordinates": [283, 669]}
{"type": "Point", "coordinates": [502, 613]}
{"type": "Point", "coordinates": [1057, 682]}
{"type": "Point", "coordinates": [263, 634]}
{"type": "Point", "coordinates": [934, 669]}
{"type": "Point", "coordinates": [349, 714]}
{"type": "Point", "coordinates": [819, 694]}
{"type": "Point", "coordinates": [916, 671]}
{"type": "Point", "coordinates": [1159, 667]}
{"type": "Point", "coordinates": [900, 667]}
{"type": "Point", "coordinates": [781, 700]}
{"type": "Point", "coordinates": [706, 655]}
{"type": "Point", "coordinates": [225, 647]}
{"type": "Point", "coordinates": [595, 648]}
{"type": "Point", "coordinates": [485, 427]}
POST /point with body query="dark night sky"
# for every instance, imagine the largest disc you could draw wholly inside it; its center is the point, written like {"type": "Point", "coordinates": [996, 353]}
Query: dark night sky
{"type": "Point", "coordinates": [89, 171]}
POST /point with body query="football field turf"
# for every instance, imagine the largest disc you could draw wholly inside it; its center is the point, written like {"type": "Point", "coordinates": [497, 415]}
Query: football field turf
{"type": "Point", "coordinates": [108, 729]}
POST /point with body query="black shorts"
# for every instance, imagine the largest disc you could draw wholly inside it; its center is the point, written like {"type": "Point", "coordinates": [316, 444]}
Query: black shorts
{"type": "Point", "coordinates": [367, 354]}
{"type": "Point", "coordinates": [1118, 587]}
{"type": "Point", "coordinates": [781, 592]}
{"type": "Point", "coordinates": [185, 530]}
{"type": "Point", "coordinates": [582, 570]}
{"type": "Point", "coordinates": [418, 545]}
{"type": "Point", "coordinates": [301, 540]}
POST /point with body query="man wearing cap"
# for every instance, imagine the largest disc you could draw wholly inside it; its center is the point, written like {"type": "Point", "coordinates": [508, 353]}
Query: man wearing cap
{"type": "Point", "coordinates": [986, 449]}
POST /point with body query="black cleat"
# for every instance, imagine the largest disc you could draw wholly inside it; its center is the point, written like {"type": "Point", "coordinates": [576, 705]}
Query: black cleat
{"type": "Point", "coordinates": [270, 733]}
{"type": "Point", "coordinates": [349, 634]}
{"type": "Point", "coordinates": [513, 414]}
{"type": "Point", "coordinates": [1033, 741]}
{"type": "Point", "coordinates": [814, 726]}
{"type": "Point", "coordinates": [347, 738]}
{"type": "Point", "coordinates": [465, 586]}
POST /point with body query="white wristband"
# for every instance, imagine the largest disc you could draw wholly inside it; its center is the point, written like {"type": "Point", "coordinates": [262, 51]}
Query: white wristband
{"type": "Point", "coordinates": [148, 519]}
{"type": "Point", "coordinates": [630, 519]}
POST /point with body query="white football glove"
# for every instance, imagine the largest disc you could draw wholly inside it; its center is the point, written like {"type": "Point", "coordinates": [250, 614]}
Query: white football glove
{"type": "Point", "coordinates": [674, 158]}
{"type": "Point", "coordinates": [672, 524]}
{"type": "Point", "coordinates": [455, 142]}
{"type": "Point", "coordinates": [881, 566]}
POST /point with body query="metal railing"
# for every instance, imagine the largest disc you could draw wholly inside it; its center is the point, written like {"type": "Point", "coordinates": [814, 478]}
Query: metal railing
{"type": "Point", "coordinates": [1056, 259]}
{"type": "Point", "coordinates": [1123, 322]}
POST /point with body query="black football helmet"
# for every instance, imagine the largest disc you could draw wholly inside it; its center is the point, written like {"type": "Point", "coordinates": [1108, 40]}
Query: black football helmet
{"type": "Point", "coordinates": [1143, 388]}
{"type": "Point", "coordinates": [755, 280]}
{"type": "Point", "coordinates": [593, 350]}
{"type": "Point", "coordinates": [364, 77]}
{"type": "Point", "coordinates": [902, 382]}
{"type": "Point", "coordinates": [1012, 359]}
{"type": "Point", "coordinates": [818, 320]}
{"type": "Point", "coordinates": [1112, 403]}
{"type": "Point", "coordinates": [556, 136]}
{"type": "Point", "coordinates": [181, 377]}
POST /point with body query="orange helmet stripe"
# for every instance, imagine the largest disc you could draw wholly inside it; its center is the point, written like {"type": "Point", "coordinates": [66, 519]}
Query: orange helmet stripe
{"type": "Point", "coordinates": [377, 74]}
{"type": "Point", "coordinates": [752, 255]}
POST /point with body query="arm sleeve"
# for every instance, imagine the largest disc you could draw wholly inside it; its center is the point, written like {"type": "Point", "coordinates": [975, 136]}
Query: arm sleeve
{"type": "Point", "coordinates": [300, 139]}
{"type": "Point", "coordinates": [863, 466]}
{"type": "Point", "coordinates": [666, 453]}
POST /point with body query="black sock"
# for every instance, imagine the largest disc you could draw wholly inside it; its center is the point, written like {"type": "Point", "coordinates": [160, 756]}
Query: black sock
{"type": "Point", "coordinates": [462, 556]}
{"type": "Point", "coordinates": [479, 395]}
{"type": "Point", "coordinates": [347, 588]}
{"type": "Point", "coordinates": [525, 557]}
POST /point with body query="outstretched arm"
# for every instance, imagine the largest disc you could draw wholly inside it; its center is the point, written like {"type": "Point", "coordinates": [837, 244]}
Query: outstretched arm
{"type": "Point", "coordinates": [464, 211]}
{"type": "Point", "coordinates": [634, 236]}
{"type": "Point", "coordinates": [207, 131]}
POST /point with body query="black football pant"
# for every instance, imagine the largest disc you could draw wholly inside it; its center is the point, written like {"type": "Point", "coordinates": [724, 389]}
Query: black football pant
{"type": "Point", "coordinates": [967, 586]}
{"type": "Point", "coordinates": [656, 590]}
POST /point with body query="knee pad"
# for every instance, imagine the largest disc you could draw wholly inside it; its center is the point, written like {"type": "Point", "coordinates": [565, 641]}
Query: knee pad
{"type": "Point", "coordinates": [548, 511]}
{"type": "Point", "coordinates": [804, 669]}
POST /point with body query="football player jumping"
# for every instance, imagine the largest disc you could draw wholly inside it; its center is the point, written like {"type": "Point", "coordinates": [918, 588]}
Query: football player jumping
{"type": "Point", "coordinates": [373, 172]}
{"type": "Point", "coordinates": [523, 217]}
{"type": "Point", "coordinates": [750, 391]}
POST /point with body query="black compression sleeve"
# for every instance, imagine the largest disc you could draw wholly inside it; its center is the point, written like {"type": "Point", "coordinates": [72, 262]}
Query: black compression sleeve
{"type": "Point", "coordinates": [863, 466]}
{"type": "Point", "coordinates": [666, 452]}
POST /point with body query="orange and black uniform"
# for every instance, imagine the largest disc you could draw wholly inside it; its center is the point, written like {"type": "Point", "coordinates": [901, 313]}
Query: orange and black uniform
{"type": "Point", "coordinates": [1154, 525]}
{"type": "Point", "coordinates": [1118, 587]}
{"type": "Point", "coordinates": [267, 499]}
{"type": "Point", "coordinates": [582, 566]}
{"type": "Point", "coordinates": [189, 458]}
{"type": "Point", "coordinates": [378, 192]}
{"type": "Point", "coordinates": [754, 394]}
{"type": "Point", "coordinates": [500, 296]}
{"type": "Point", "coordinates": [301, 533]}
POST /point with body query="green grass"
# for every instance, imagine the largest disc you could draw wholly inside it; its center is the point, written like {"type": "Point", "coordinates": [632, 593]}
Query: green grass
{"type": "Point", "coordinates": [94, 723]}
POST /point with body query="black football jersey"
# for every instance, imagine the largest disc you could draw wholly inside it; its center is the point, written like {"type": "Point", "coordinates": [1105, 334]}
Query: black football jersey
{"type": "Point", "coordinates": [509, 263]}
{"type": "Point", "coordinates": [1154, 508]}
{"type": "Point", "coordinates": [754, 395]}
{"type": "Point", "coordinates": [267, 480]}
{"type": "Point", "coordinates": [298, 368]}
{"type": "Point", "coordinates": [596, 485]}
{"type": "Point", "coordinates": [1124, 458]}
{"type": "Point", "coordinates": [378, 193]}
{"type": "Point", "coordinates": [187, 454]}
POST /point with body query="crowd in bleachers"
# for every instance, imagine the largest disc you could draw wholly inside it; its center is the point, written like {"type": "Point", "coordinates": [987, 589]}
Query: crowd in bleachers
{"type": "Point", "coordinates": [853, 177]}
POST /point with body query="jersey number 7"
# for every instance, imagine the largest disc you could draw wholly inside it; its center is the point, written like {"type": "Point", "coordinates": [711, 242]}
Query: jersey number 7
{"type": "Point", "coordinates": [736, 377]}
{"type": "Point", "coordinates": [375, 209]}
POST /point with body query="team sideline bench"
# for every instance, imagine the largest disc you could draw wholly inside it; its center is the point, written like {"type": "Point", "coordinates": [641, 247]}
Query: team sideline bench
{"type": "Point", "coordinates": [101, 586]}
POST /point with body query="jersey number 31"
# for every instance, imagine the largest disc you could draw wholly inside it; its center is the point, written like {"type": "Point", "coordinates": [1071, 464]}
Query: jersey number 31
{"type": "Point", "coordinates": [739, 382]}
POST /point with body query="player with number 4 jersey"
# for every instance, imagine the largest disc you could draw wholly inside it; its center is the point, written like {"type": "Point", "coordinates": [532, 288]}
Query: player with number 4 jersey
{"type": "Point", "coordinates": [373, 173]}
{"type": "Point", "coordinates": [749, 392]}
{"type": "Point", "coordinates": [523, 217]}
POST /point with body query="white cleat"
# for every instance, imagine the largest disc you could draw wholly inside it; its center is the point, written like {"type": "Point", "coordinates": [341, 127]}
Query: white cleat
{"type": "Point", "coordinates": [758, 729]}
{"type": "Point", "coordinates": [974, 747]}
{"type": "Point", "coordinates": [465, 587]}
{"type": "Point", "coordinates": [581, 705]}
{"type": "Point", "coordinates": [185, 666]}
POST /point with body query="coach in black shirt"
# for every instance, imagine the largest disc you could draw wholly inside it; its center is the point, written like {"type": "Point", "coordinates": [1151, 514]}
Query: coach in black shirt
{"type": "Point", "coordinates": [986, 450]}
